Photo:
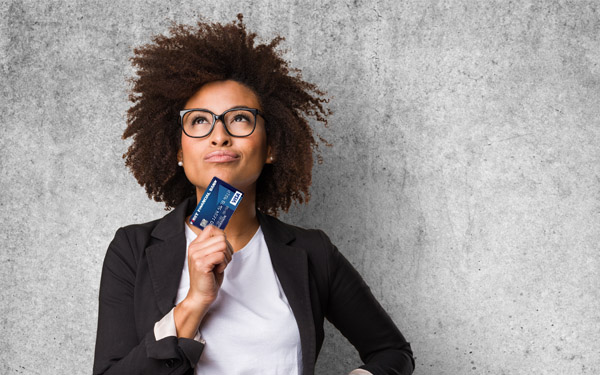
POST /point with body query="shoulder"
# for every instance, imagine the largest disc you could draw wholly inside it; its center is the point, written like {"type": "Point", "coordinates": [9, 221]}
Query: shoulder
{"type": "Point", "coordinates": [326, 265]}
{"type": "Point", "coordinates": [128, 245]}
{"type": "Point", "coordinates": [131, 241]}
{"type": "Point", "coordinates": [309, 239]}
{"type": "Point", "coordinates": [321, 253]}
{"type": "Point", "coordinates": [135, 233]}
{"type": "Point", "coordinates": [137, 237]}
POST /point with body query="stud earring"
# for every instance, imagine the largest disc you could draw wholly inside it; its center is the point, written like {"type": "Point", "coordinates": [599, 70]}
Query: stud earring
{"type": "Point", "coordinates": [180, 163]}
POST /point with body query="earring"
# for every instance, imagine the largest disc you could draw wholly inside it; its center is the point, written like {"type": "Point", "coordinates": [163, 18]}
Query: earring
{"type": "Point", "coordinates": [271, 158]}
{"type": "Point", "coordinates": [180, 163]}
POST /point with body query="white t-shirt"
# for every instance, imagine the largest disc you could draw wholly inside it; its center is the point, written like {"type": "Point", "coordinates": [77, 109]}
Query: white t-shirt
{"type": "Point", "coordinates": [250, 327]}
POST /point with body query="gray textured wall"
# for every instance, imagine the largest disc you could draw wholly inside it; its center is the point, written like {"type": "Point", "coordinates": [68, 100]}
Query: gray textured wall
{"type": "Point", "coordinates": [468, 195]}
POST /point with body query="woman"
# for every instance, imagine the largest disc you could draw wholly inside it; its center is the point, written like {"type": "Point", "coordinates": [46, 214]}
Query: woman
{"type": "Point", "coordinates": [249, 299]}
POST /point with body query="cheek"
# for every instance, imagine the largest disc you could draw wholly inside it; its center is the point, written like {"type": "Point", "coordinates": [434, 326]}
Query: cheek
{"type": "Point", "coordinates": [260, 149]}
{"type": "Point", "coordinates": [260, 143]}
{"type": "Point", "coordinates": [186, 146]}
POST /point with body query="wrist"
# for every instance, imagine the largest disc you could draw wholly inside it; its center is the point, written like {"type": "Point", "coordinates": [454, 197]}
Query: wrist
{"type": "Point", "coordinates": [194, 307]}
{"type": "Point", "coordinates": [187, 317]}
{"type": "Point", "coordinates": [194, 302]}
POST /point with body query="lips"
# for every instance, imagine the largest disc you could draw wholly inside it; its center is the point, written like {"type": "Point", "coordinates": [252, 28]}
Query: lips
{"type": "Point", "coordinates": [221, 157]}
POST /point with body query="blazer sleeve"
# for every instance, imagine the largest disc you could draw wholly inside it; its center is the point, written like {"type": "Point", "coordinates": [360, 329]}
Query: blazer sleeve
{"type": "Point", "coordinates": [120, 349]}
{"type": "Point", "coordinates": [355, 312]}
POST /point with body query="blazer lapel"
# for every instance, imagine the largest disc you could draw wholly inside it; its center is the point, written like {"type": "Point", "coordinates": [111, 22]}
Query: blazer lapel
{"type": "Point", "coordinates": [291, 266]}
{"type": "Point", "coordinates": [166, 255]}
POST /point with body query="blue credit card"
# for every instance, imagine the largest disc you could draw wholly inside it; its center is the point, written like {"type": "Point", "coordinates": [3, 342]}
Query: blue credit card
{"type": "Point", "coordinates": [218, 203]}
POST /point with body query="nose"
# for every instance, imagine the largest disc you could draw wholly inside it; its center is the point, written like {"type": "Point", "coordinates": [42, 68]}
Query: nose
{"type": "Point", "coordinates": [219, 136]}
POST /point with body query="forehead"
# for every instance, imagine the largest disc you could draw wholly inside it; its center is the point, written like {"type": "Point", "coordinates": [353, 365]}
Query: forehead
{"type": "Point", "coordinates": [220, 96]}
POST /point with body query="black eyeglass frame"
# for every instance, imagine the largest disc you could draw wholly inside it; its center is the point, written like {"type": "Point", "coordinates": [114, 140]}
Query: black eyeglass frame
{"type": "Point", "coordinates": [221, 117]}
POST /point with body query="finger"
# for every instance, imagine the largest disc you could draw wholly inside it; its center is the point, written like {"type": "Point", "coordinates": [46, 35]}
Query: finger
{"type": "Point", "coordinates": [196, 245]}
{"type": "Point", "coordinates": [229, 248]}
{"type": "Point", "coordinates": [203, 257]}
{"type": "Point", "coordinates": [211, 245]}
{"type": "Point", "coordinates": [218, 247]}
{"type": "Point", "coordinates": [211, 262]}
{"type": "Point", "coordinates": [208, 232]}
{"type": "Point", "coordinates": [220, 268]}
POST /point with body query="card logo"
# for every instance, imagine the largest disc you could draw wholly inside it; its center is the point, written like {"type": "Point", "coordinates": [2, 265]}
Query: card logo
{"type": "Point", "coordinates": [236, 198]}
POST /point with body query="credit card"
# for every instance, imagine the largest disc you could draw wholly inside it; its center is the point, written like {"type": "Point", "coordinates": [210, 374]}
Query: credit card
{"type": "Point", "coordinates": [218, 203]}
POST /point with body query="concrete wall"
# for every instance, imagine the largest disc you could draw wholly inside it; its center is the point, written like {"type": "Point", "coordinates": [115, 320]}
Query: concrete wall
{"type": "Point", "coordinates": [467, 195]}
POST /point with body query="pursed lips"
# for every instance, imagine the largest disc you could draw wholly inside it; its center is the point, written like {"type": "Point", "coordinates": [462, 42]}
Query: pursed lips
{"type": "Point", "coordinates": [221, 157]}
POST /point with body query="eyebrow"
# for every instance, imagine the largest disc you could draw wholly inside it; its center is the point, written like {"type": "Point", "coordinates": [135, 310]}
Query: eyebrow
{"type": "Point", "coordinates": [235, 106]}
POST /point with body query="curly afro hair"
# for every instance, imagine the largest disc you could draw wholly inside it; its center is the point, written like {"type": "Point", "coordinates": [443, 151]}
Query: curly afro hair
{"type": "Point", "coordinates": [173, 67]}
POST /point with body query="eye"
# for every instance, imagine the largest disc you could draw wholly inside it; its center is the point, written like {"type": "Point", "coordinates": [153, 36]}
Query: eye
{"type": "Point", "coordinates": [239, 117]}
{"type": "Point", "coordinates": [199, 118]}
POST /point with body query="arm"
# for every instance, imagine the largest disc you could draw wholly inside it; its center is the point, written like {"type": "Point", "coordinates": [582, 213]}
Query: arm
{"type": "Point", "coordinates": [208, 256]}
{"type": "Point", "coordinates": [353, 310]}
{"type": "Point", "coordinates": [118, 348]}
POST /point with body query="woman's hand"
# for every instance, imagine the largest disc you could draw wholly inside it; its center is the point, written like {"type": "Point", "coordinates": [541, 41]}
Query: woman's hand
{"type": "Point", "coordinates": [208, 255]}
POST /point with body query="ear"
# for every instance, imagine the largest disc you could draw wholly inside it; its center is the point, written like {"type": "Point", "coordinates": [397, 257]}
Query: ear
{"type": "Point", "coordinates": [270, 158]}
{"type": "Point", "coordinates": [179, 155]}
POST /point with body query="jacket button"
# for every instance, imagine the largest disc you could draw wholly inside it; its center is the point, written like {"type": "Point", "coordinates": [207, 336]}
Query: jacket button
{"type": "Point", "coordinates": [169, 363]}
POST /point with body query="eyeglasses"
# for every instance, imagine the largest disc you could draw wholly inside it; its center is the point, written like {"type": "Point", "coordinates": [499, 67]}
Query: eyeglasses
{"type": "Point", "coordinates": [199, 123]}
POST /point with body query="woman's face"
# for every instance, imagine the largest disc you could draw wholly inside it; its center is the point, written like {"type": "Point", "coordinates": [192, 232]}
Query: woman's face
{"type": "Point", "coordinates": [237, 161]}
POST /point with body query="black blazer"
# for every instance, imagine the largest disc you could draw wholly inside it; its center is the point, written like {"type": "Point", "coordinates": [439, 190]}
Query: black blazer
{"type": "Point", "coordinates": [140, 278]}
